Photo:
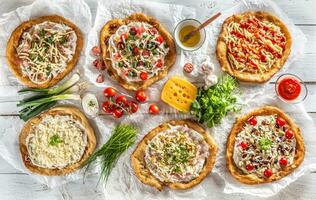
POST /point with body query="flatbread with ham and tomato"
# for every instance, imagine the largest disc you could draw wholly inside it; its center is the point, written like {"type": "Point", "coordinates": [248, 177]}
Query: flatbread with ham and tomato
{"type": "Point", "coordinates": [264, 146]}
{"type": "Point", "coordinates": [137, 50]}
{"type": "Point", "coordinates": [42, 51]}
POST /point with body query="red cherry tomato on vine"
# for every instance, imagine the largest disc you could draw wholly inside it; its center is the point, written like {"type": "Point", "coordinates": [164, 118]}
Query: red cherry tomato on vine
{"type": "Point", "coordinates": [140, 96]}
{"type": "Point", "coordinates": [280, 121]}
{"type": "Point", "coordinates": [117, 113]}
{"type": "Point", "coordinates": [133, 107]}
{"type": "Point", "coordinates": [122, 101]}
{"type": "Point", "coordinates": [153, 109]}
{"type": "Point", "coordinates": [107, 107]}
{"type": "Point", "coordinates": [109, 92]}
{"type": "Point", "coordinates": [267, 173]}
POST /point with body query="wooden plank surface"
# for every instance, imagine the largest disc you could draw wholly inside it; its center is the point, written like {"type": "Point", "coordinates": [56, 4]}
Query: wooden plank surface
{"type": "Point", "coordinates": [17, 185]}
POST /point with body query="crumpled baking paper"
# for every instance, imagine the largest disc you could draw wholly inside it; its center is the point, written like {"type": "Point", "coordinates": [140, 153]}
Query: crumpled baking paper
{"type": "Point", "coordinates": [122, 183]}
{"type": "Point", "coordinates": [76, 11]}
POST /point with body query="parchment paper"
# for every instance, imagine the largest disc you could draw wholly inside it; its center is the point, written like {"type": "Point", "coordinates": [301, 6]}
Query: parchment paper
{"type": "Point", "coordinates": [76, 11]}
{"type": "Point", "coordinates": [122, 183]}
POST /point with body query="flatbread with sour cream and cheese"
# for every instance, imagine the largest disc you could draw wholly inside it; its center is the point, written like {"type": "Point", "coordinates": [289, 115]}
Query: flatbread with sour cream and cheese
{"type": "Point", "coordinates": [178, 154]}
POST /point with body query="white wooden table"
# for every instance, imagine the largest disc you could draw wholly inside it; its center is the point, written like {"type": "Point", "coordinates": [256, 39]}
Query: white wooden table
{"type": "Point", "coordinates": [17, 185]}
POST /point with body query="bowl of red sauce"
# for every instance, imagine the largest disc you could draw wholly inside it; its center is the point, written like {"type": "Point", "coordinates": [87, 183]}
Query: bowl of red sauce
{"type": "Point", "coordinates": [290, 88]}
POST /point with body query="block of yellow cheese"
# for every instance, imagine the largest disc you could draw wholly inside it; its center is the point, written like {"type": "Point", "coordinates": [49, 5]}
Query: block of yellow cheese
{"type": "Point", "coordinates": [179, 93]}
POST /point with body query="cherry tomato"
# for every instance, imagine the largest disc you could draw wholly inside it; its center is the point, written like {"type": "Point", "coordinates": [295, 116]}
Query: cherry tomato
{"type": "Point", "coordinates": [96, 51]}
{"type": "Point", "coordinates": [143, 75]}
{"type": "Point", "coordinates": [153, 109]}
{"type": "Point", "coordinates": [140, 96]}
{"type": "Point", "coordinates": [252, 121]}
{"type": "Point", "coordinates": [117, 113]}
{"type": "Point", "coordinates": [120, 45]}
{"type": "Point", "coordinates": [249, 167]}
{"type": "Point", "coordinates": [244, 145]}
{"type": "Point", "coordinates": [133, 30]}
{"type": "Point", "coordinates": [135, 51]}
{"type": "Point", "coordinates": [107, 107]}
{"type": "Point", "coordinates": [133, 107]}
{"type": "Point", "coordinates": [123, 37]}
{"type": "Point", "coordinates": [145, 53]}
{"type": "Point", "coordinates": [153, 31]}
{"type": "Point", "coordinates": [289, 134]}
{"type": "Point", "coordinates": [267, 173]}
{"type": "Point", "coordinates": [100, 78]}
{"type": "Point", "coordinates": [159, 39]}
{"type": "Point", "coordinates": [280, 121]}
{"type": "Point", "coordinates": [158, 63]}
{"type": "Point", "coordinates": [122, 101]}
{"type": "Point", "coordinates": [109, 92]}
{"type": "Point", "coordinates": [283, 162]}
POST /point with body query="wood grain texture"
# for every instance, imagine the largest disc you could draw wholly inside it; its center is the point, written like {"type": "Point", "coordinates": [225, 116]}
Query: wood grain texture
{"type": "Point", "coordinates": [20, 186]}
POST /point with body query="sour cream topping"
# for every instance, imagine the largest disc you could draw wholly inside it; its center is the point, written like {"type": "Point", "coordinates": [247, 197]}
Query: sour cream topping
{"type": "Point", "coordinates": [177, 154]}
{"type": "Point", "coordinates": [45, 49]}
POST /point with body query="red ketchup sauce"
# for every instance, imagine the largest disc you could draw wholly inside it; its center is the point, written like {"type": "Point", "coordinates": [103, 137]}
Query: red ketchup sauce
{"type": "Point", "coordinates": [289, 88]}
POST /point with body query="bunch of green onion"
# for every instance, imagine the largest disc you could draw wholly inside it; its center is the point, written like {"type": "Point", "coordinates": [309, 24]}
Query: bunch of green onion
{"type": "Point", "coordinates": [47, 98]}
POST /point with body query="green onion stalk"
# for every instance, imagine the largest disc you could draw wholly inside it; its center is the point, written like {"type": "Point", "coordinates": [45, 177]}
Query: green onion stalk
{"type": "Point", "coordinates": [47, 98]}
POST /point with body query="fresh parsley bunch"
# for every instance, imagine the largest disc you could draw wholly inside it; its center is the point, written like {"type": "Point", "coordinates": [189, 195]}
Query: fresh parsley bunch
{"type": "Point", "coordinates": [214, 103]}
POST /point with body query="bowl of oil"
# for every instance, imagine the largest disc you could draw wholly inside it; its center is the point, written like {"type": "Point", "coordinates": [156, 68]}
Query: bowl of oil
{"type": "Point", "coordinates": [183, 28]}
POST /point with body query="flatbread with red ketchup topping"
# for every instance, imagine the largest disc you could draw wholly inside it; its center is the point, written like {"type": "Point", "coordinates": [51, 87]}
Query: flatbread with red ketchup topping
{"type": "Point", "coordinates": [253, 46]}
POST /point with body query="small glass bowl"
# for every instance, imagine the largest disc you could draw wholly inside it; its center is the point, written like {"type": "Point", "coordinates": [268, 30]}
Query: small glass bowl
{"type": "Point", "coordinates": [187, 22]}
{"type": "Point", "coordinates": [303, 93]}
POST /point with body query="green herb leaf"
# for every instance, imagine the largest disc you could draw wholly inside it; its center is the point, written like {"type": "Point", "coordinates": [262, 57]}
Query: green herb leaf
{"type": "Point", "coordinates": [265, 143]}
{"type": "Point", "coordinates": [214, 103]}
{"type": "Point", "coordinates": [42, 33]}
{"type": "Point", "coordinates": [55, 140]}
{"type": "Point", "coordinates": [63, 40]}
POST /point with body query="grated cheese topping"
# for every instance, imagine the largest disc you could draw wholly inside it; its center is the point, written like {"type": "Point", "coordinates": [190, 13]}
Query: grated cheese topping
{"type": "Point", "coordinates": [45, 49]}
{"type": "Point", "coordinates": [56, 142]}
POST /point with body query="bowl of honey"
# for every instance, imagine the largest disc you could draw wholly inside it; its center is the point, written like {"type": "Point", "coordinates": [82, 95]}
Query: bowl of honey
{"type": "Point", "coordinates": [183, 28]}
